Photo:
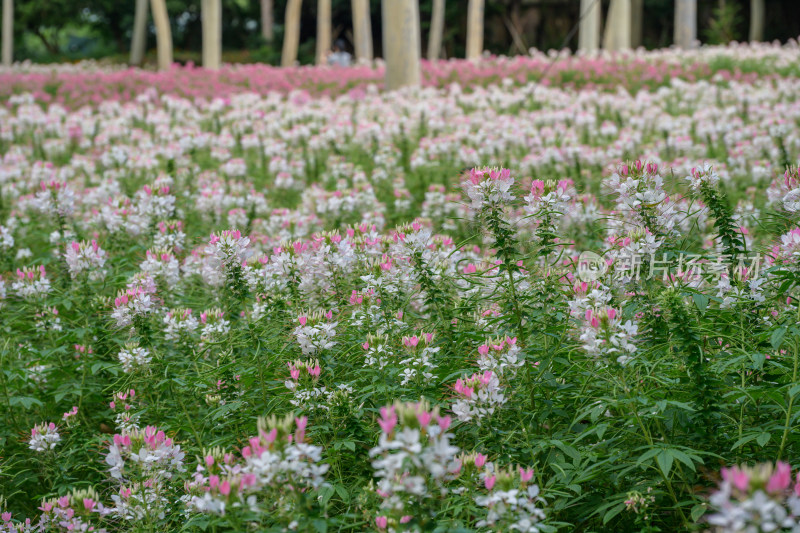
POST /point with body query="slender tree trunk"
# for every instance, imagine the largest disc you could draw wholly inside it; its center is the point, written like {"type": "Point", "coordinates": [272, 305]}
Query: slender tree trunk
{"type": "Point", "coordinates": [685, 23]}
{"type": "Point", "coordinates": [139, 39]}
{"type": "Point", "coordinates": [211, 18]}
{"type": "Point", "coordinates": [8, 33]}
{"type": "Point", "coordinates": [291, 35]}
{"type": "Point", "coordinates": [163, 33]}
{"type": "Point", "coordinates": [362, 30]}
{"type": "Point", "coordinates": [475, 29]}
{"type": "Point", "coordinates": [267, 20]}
{"type": "Point", "coordinates": [589, 29]}
{"type": "Point", "coordinates": [637, 17]}
{"type": "Point", "coordinates": [437, 30]}
{"type": "Point", "coordinates": [618, 26]}
{"type": "Point", "coordinates": [756, 20]}
{"type": "Point", "coordinates": [323, 30]}
{"type": "Point", "coordinates": [401, 42]}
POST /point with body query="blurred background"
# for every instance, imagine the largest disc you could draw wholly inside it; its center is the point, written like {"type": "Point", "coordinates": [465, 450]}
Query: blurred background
{"type": "Point", "coordinates": [71, 30]}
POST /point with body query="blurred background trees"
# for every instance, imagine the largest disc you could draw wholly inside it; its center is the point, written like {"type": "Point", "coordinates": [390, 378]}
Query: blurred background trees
{"type": "Point", "coordinates": [57, 30]}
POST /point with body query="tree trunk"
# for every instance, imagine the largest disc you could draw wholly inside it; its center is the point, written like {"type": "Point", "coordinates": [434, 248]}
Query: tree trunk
{"type": "Point", "coordinates": [291, 35]}
{"type": "Point", "coordinates": [139, 39]}
{"type": "Point", "coordinates": [401, 42]}
{"type": "Point", "coordinates": [211, 18]}
{"type": "Point", "coordinates": [637, 17]}
{"type": "Point", "coordinates": [756, 20]}
{"type": "Point", "coordinates": [8, 33]}
{"type": "Point", "coordinates": [618, 26]}
{"type": "Point", "coordinates": [267, 20]}
{"type": "Point", "coordinates": [437, 29]}
{"type": "Point", "coordinates": [163, 33]}
{"type": "Point", "coordinates": [474, 29]}
{"type": "Point", "coordinates": [685, 23]}
{"type": "Point", "coordinates": [589, 29]}
{"type": "Point", "coordinates": [362, 30]}
{"type": "Point", "coordinates": [323, 30]}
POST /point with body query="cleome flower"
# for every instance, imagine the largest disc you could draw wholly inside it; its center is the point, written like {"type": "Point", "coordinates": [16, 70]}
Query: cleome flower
{"type": "Point", "coordinates": [488, 187]}
{"type": "Point", "coordinates": [44, 437]}
{"type": "Point", "coordinates": [759, 498]}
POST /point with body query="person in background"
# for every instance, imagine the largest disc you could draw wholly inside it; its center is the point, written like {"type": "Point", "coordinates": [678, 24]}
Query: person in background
{"type": "Point", "coordinates": [339, 55]}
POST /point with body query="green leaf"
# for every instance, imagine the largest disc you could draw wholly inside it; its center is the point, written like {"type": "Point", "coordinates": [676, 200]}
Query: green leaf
{"type": "Point", "coordinates": [684, 458]}
{"type": "Point", "coordinates": [664, 460]}
{"type": "Point", "coordinates": [325, 495]}
{"type": "Point", "coordinates": [649, 454]}
{"type": "Point", "coordinates": [763, 439]}
{"type": "Point", "coordinates": [698, 511]}
{"type": "Point", "coordinates": [320, 525]}
{"type": "Point", "coordinates": [701, 301]}
{"type": "Point", "coordinates": [744, 440]}
{"type": "Point", "coordinates": [758, 360]}
{"type": "Point", "coordinates": [350, 445]}
{"type": "Point", "coordinates": [26, 402]}
{"type": "Point", "coordinates": [343, 494]}
{"type": "Point", "coordinates": [567, 449]}
{"type": "Point", "coordinates": [611, 513]}
{"type": "Point", "coordinates": [776, 339]}
{"type": "Point", "coordinates": [793, 391]}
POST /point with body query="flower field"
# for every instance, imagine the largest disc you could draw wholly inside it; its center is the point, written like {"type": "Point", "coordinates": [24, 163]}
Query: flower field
{"type": "Point", "coordinates": [560, 295]}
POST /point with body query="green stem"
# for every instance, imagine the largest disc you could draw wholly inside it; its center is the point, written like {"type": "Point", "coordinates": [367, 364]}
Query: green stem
{"type": "Point", "coordinates": [788, 408]}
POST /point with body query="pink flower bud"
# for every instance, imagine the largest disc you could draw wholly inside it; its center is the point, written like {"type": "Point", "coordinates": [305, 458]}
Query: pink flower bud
{"type": "Point", "coordinates": [781, 478]}
{"type": "Point", "coordinates": [525, 475]}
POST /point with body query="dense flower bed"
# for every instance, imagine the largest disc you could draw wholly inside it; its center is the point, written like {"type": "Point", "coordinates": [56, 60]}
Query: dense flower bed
{"type": "Point", "coordinates": [90, 84]}
{"type": "Point", "coordinates": [518, 307]}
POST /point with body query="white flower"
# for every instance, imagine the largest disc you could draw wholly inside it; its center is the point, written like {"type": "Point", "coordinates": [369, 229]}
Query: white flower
{"type": "Point", "coordinates": [44, 437]}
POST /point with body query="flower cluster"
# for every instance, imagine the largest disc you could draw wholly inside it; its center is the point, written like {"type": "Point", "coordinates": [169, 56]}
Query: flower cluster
{"type": "Point", "coordinates": [31, 282]}
{"type": "Point", "coordinates": [605, 336]}
{"type": "Point", "coordinates": [44, 437]}
{"type": "Point", "coordinates": [316, 332]}
{"type": "Point", "coordinates": [760, 498]}
{"type": "Point", "coordinates": [133, 357]}
{"type": "Point", "coordinates": [414, 457]}
{"type": "Point", "coordinates": [488, 187]}
{"type": "Point", "coordinates": [477, 396]}
{"type": "Point", "coordinates": [132, 303]}
{"type": "Point", "coordinates": [274, 469]}
{"type": "Point", "coordinates": [85, 257]}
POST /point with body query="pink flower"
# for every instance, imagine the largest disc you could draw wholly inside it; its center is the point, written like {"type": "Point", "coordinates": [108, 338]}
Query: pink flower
{"type": "Point", "coordinates": [781, 478]}
{"type": "Point", "coordinates": [480, 460]}
{"type": "Point", "coordinates": [525, 475]}
{"type": "Point", "coordinates": [737, 477]}
{"type": "Point", "coordinates": [388, 419]}
{"type": "Point", "coordinates": [381, 522]}
{"type": "Point", "coordinates": [424, 418]}
{"type": "Point", "coordinates": [489, 482]}
{"type": "Point", "coordinates": [225, 488]}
